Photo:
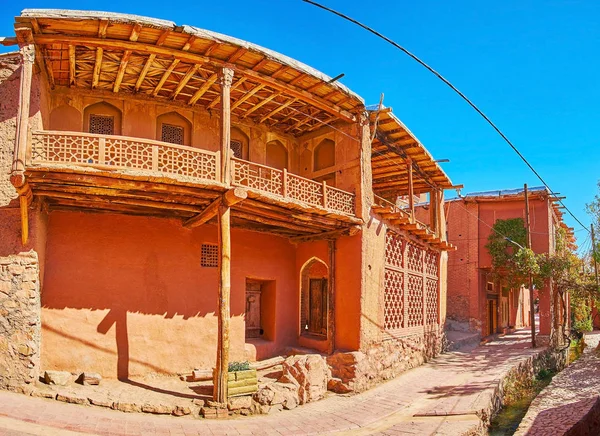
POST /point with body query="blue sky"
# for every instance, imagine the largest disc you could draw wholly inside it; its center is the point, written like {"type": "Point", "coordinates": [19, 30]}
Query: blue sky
{"type": "Point", "coordinates": [532, 66]}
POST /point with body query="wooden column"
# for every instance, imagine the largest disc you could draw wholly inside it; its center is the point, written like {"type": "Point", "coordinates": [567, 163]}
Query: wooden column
{"type": "Point", "coordinates": [225, 79]}
{"type": "Point", "coordinates": [221, 373]}
{"type": "Point", "coordinates": [433, 205]}
{"type": "Point", "coordinates": [411, 200]}
{"type": "Point", "coordinates": [17, 177]}
{"type": "Point", "coordinates": [531, 306]}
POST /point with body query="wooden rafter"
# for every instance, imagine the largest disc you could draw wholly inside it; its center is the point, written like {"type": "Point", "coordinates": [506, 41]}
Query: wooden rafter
{"type": "Point", "coordinates": [102, 26]}
{"type": "Point", "coordinates": [135, 32]}
{"type": "Point", "coordinates": [235, 86]}
{"type": "Point", "coordinates": [238, 54]}
{"type": "Point", "coordinates": [72, 63]}
{"type": "Point", "coordinates": [40, 57]}
{"type": "Point", "coordinates": [97, 67]}
{"type": "Point", "coordinates": [261, 104]}
{"type": "Point", "coordinates": [164, 77]}
{"type": "Point", "coordinates": [188, 44]}
{"type": "Point", "coordinates": [212, 48]}
{"type": "Point", "coordinates": [121, 71]}
{"type": "Point", "coordinates": [278, 109]}
{"type": "Point", "coordinates": [205, 86]}
{"type": "Point", "coordinates": [247, 96]}
{"type": "Point", "coordinates": [190, 73]}
{"type": "Point", "coordinates": [260, 64]}
{"type": "Point", "coordinates": [161, 40]}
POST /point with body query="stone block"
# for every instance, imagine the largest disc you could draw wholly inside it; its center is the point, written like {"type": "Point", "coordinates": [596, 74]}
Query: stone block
{"type": "Point", "coordinates": [71, 398]}
{"type": "Point", "coordinates": [58, 378]}
{"type": "Point", "coordinates": [309, 373]}
{"type": "Point", "coordinates": [238, 403]}
{"type": "Point", "coordinates": [157, 409]}
{"type": "Point", "coordinates": [127, 407]}
{"type": "Point", "coordinates": [102, 402]}
{"type": "Point", "coordinates": [89, 378]}
{"type": "Point", "coordinates": [181, 410]}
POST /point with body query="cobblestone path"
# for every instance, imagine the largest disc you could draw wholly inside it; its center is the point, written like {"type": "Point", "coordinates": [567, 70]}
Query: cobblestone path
{"type": "Point", "coordinates": [440, 397]}
{"type": "Point", "coordinates": [567, 399]}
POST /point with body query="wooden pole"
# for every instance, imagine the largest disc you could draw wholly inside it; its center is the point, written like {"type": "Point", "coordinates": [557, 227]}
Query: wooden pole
{"type": "Point", "coordinates": [28, 58]}
{"type": "Point", "coordinates": [225, 78]}
{"type": "Point", "coordinates": [594, 254]}
{"type": "Point", "coordinates": [531, 307]}
{"type": "Point", "coordinates": [222, 366]}
{"type": "Point", "coordinates": [411, 201]}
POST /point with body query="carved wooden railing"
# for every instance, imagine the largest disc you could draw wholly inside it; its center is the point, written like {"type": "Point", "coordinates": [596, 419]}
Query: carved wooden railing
{"type": "Point", "coordinates": [122, 152]}
{"type": "Point", "coordinates": [286, 185]}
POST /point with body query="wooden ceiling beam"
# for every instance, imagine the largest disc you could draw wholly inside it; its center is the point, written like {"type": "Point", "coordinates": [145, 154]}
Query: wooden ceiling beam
{"type": "Point", "coordinates": [135, 32]}
{"type": "Point", "coordinates": [334, 234]}
{"type": "Point", "coordinates": [278, 109]}
{"type": "Point", "coordinates": [161, 40]}
{"type": "Point", "coordinates": [229, 198]}
{"type": "Point", "coordinates": [212, 48]}
{"type": "Point", "coordinates": [72, 63]}
{"type": "Point", "coordinates": [238, 54]}
{"type": "Point", "coordinates": [246, 96]}
{"type": "Point", "coordinates": [188, 44]}
{"type": "Point", "coordinates": [40, 56]}
{"type": "Point", "coordinates": [165, 76]}
{"type": "Point", "coordinates": [97, 67]}
{"type": "Point", "coordinates": [260, 64]}
{"type": "Point", "coordinates": [102, 26]}
{"type": "Point", "coordinates": [185, 56]}
{"type": "Point", "coordinates": [261, 104]}
{"type": "Point", "coordinates": [205, 86]}
{"type": "Point", "coordinates": [193, 70]}
{"type": "Point", "coordinates": [121, 71]}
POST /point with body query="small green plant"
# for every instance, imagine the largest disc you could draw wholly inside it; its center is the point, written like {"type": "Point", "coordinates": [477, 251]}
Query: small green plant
{"type": "Point", "coordinates": [239, 366]}
{"type": "Point", "coordinates": [545, 374]}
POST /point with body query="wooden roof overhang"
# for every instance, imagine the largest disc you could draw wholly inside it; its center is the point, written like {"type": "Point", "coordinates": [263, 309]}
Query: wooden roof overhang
{"type": "Point", "coordinates": [392, 146]}
{"type": "Point", "coordinates": [90, 189]}
{"type": "Point", "coordinates": [117, 53]}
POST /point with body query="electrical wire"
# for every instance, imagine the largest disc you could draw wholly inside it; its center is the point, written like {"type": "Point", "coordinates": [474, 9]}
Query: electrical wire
{"type": "Point", "coordinates": [454, 88]}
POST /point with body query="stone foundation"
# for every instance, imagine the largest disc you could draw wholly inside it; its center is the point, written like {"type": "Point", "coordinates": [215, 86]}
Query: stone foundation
{"type": "Point", "coordinates": [20, 324]}
{"type": "Point", "coordinates": [358, 371]}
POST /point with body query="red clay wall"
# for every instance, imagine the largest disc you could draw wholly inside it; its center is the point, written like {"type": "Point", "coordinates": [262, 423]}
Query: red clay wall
{"type": "Point", "coordinates": [129, 293]}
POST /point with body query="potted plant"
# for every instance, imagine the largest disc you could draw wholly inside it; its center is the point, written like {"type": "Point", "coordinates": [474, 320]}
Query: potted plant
{"type": "Point", "coordinates": [242, 379]}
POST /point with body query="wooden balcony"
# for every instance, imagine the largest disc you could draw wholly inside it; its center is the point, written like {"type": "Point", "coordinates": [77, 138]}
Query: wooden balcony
{"type": "Point", "coordinates": [143, 176]}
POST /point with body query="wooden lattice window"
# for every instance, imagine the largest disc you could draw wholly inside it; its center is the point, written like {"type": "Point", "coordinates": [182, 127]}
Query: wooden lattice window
{"type": "Point", "coordinates": [237, 148]}
{"type": "Point", "coordinates": [209, 256]}
{"type": "Point", "coordinates": [102, 124]}
{"type": "Point", "coordinates": [172, 134]}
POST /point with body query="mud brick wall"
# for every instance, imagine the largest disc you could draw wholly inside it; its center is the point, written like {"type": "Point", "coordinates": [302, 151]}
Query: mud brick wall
{"type": "Point", "coordinates": [19, 320]}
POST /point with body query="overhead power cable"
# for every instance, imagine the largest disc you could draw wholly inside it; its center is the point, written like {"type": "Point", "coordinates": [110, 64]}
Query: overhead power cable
{"type": "Point", "coordinates": [454, 88]}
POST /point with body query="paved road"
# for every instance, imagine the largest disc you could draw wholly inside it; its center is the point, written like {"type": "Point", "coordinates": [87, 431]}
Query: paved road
{"type": "Point", "coordinates": [440, 397]}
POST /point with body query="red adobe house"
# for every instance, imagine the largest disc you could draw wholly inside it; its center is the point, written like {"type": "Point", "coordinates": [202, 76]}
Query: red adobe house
{"type": "Point", "coordinates": [477, 302]}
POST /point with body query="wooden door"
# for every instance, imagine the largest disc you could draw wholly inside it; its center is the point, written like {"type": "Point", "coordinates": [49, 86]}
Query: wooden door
{"type": "Point", "coordinates": [253, 322]}
{"type": "Point", "coordinates": [317, 316]}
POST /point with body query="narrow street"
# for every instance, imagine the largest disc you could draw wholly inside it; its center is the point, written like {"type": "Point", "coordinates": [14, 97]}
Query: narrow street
{"type": "Point", "coordinates": [441, 397]}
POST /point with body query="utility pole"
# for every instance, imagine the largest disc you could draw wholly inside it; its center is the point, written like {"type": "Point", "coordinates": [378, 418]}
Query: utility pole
{"type": "Point", "coordinates": [531, 305]}
{"type": "Point", "coordinates": [594, 254]}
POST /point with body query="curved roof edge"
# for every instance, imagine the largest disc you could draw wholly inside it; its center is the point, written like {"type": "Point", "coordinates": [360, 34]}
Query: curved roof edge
{"type": "Point", "coordinates": [192, 31]}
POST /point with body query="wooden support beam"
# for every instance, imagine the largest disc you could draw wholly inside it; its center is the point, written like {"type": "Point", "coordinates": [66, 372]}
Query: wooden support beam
{"type": "Point", "coordinates": [193, 70]}
{"type": "Point", "coordinates": [22, 131]}
{"type": "Point", "coordinates": [97, 67]}
{"type": "Point", "coordinates": [226, 78]}
{"type": "Point", "coordinates": [121, 71]}
{"type": "Point", "coordinates": [231, 197]}
{"type": "Point", "coordinates": [164, 77]}
{"type": "Point", "coordinates": [278, 109]}
{"type": "Point", "coordinates": [24, 205]}
{"type": "Point", "coordinates": [220, 393]}
{"type": "Point", "coordinates": [261, 104]}
{"type": "Point", "coordinates": [102, 26]}
{"type": "Point", "coordinates": [144, 71]}
{"type": "Point", "coordinates": [72, 63]}
{"type": "Point", "coordinates": [186, 56]}
{"type": "Point", "coordinates": [411, 200]}
{"type": "Point", "coordinates": [246, 96]}
{"type": "Point", "coordinates": [331, 235]}
{"type": "Point", "coordinates": [238, 54]}
{"type": "Point", "coordinates": [205, 87]}
{"type": "Point", "coordinates": [233, 88]}
{"type": "Point", "coordinates": [135, 32]}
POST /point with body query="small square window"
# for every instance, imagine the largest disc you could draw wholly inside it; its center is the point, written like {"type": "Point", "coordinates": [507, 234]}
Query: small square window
{"type": "Point", "coordinates": [210, 256]}
{"type": "Point", "coordinates": [490, 286]}
{"type": "Point", "coordinates": [102, 124]}
{"type": "Point", "coordinates": [172, 134]}
{"type": "Point", "coordinates": [238, 150]}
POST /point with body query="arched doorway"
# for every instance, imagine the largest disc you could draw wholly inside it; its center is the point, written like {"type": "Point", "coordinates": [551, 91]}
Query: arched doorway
{"type": "Point", "coordinates": [314, 297]}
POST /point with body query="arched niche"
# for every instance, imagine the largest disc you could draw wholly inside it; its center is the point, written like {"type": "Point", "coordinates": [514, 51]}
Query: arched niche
{"type": "Point", "coordinates": [324, 155]}
{"type": "Point", "coordinates": [314, 297]}
{"type": "Point", "coordinates": [240, 144]}
{"type": "Point", "coordinates": [102, 118]}
{"type": "Point", "coordinates": [174, 128]}
{"type": "Point", "coordinates": [277, 155]}
{"type": "Point", "coordinates": [65, 118]}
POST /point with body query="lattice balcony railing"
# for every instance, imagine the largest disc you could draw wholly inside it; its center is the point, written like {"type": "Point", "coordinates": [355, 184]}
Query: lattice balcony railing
{"type": "Point", "coordinates": [286, 185]}
{"type": "Point", "coordinates": [87, 149]}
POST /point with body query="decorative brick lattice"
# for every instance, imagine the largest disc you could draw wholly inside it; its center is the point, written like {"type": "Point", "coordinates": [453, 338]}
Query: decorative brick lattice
{"type": "Point", "coordinates": [305, 190]}
{"type": "Point", "coordinates": [187, 162]}
{"type": "Point", "coordinates": [414, 257]}
{"type": "Point", "coordinates": [172, 134]}
{"type": "Point", "coordinates": [257, 176]}
{"type": "Point", "coordinates": [431, 263]}
{"type": "Point", "coordinates": [209, 256]}
{"type": "Point", "coordinates": [394, 300]}
{"type": "Point", "coordinates": [414, 300]}
{"type": "Point", "coordinates": [431, 301]}
{"type": "Point", "coordinates": [394, 248]}
{"type": "Point", "coordinates": [102, 124]}
{"type": "Point", "coordinates": [340, 201]}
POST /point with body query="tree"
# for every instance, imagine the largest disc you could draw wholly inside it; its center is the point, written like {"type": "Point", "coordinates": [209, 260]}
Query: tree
{"type": "Point", "coordinates": [593, 209]}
